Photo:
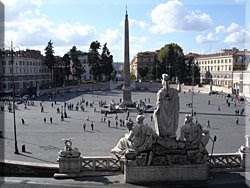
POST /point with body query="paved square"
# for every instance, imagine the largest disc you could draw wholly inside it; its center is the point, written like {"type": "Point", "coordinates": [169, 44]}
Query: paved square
{"type": "Point", "coordinates": [43, 140]}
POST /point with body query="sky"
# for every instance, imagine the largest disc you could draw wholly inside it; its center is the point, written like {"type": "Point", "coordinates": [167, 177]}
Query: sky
{"type": "Point", "coordinates": [198, 26]}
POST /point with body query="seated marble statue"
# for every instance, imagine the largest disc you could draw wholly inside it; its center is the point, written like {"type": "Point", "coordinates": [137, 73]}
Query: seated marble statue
{"type": "Point", "coordinates": [194, 134]}
{"type": "Point", "coordinates": [138, 139]}
{"type": "Point", "coordinates": [69, 151]}
{"type": "Point", "coordinates": [166, 115]}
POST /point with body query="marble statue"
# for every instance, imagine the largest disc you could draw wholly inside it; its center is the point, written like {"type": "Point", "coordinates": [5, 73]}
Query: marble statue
{"type": "Point", "coordinates": [166, 115]}
{"type": "Point", "coordinates": [193, 133]}
{"type": "Point", "coordinates": [69, 151]}
{"type": "Point", "coordinates": [140, 138]}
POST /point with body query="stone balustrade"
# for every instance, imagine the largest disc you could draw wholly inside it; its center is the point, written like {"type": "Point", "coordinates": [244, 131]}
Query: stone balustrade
{"type": "Point", "coordinates": [100, 163]}
{"type": "Point", "coordinates": [225, 162]}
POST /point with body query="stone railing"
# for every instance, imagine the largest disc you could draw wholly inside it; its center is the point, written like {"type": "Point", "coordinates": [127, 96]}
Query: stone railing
{"type": "Point", "coordinates": [225, 162]}
{"type": "Point", "coordinates": [100, 163]}
{"type": "Point", "coordinates": [216, 162]}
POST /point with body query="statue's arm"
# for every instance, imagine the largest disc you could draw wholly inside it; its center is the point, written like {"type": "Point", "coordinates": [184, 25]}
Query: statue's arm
{"type": "Point", "coordinates": [130, 135]}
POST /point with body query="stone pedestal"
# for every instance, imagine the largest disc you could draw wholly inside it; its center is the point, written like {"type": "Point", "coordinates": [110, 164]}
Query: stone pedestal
{"type": "Point", "coordinates": [175, 173]}
{"type": "Point", "coordinates": [69, 165]}
{"type": "Point", "coordinates": [127, 96]}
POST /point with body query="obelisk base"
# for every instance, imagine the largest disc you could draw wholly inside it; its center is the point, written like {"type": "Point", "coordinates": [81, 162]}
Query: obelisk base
{"type": "Point", "coordinates": [127, 96]}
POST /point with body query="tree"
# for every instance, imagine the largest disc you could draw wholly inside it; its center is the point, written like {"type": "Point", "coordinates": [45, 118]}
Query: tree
{"type": "Point", "coordinates": [95, 60]}
{"type": "Point", "coordinates": [77, 66]}
{"type": "Point", "coordinates": [106, 62]}
{"type": "Point", "coordinates": [66, 60]}
{"type": "Point", "coordinates": [171, 60]}
{"type": "Point", "coordinates": [143, 72]}
{"type": "Point", "coordinates": [49, 59]}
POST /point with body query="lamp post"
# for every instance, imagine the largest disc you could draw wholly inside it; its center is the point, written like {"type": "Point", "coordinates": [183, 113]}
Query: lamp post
{"type": "Point", "coordinates": [13, 97]}
{"type": "Point", "coordinates": [192, 98]}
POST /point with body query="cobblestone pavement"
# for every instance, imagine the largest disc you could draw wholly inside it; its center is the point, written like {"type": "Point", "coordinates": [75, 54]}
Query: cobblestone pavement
{"type": "Point", "coordinates": [43, 140]}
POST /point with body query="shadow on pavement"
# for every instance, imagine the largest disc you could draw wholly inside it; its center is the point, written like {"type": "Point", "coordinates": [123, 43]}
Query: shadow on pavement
{"type": "Point", "coordinates": [36, 158]}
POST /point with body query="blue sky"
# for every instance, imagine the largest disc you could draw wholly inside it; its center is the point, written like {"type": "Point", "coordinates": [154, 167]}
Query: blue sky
{"type": "Point", "coordinates": [198, 26]}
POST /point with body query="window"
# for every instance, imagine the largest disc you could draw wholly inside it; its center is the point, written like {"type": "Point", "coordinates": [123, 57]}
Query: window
{"type": "Point", "coordinates": [225, 60]}
{"type": "Point", "coordinates": [229, 68]}
{"type": "Point", "coordinates": [218, 61]}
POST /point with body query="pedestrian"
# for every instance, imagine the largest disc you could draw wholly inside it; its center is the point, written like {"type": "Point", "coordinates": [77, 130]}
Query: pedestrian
{"type": "Point", "coordinates": [116, 117]}
{"type": "Point", "coordinates": [237, 121]}
{"type": "Point", "coordinates": [92, 126]}
{"type": "Point", "coordinates": [208, 124]}
{"type": "Point", "coordinates": [88, 118]}
{"type": "Point", "coordinates": [62, 118]}
{"type": "Point", "coordinates": [50, 120]}
{"type": "Point", "coordinates": [208, 102]}
{"type": "Point", "coordinates": [108, 123]}
{"type": "Point", "coordinates": [42, 110]}
{"type": "Point", "coordinates": [218, 107]}
{"type": "Point", "coordinates": [44, 119]}
{"type": "Point", "coordinates": [151, 118]}
{"type": "Point", "coordinates": [25, 106]}
{"type": "Point", "coordinates": [23, 122]}
{"type": "Point", "coordinates": [84, 126]}
{"type": "Point", "coordinates": [52, 105]}
{"type": "Point", "coordinates": [194, 113]}
{"type": "Point", "coordinates": [242, 111]}
{"type": "Point", "coordinates": [196, 121]}
{"type": "Point", "coordinates": [116, 124]}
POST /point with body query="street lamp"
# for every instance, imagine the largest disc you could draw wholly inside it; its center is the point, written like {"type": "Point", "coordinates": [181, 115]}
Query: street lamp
{"type": "Point", "coordinates": [11, 53]}
{"type": "Point", "coordinates": [192, 98]}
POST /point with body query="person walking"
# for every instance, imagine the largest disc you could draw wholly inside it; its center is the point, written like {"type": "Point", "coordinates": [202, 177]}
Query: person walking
{"type": "Point", "coordinates": [108, 123]}
{"type": "Point", "coordinates": [44, 119]}
{"type": "Point", "coordinates": [23, 122]}
{"type": "Point", "coordinates": [84, 126]}
{"type": "Point", "coordinates": [237, 121]}
{"type": "Point", "coordinates": [92, 126]}
{"type": "Point", "coordinates": [51, 120]}
{"type": "Point", "coordinates": [208, 124]}
{"type": "Point", "coordinates": [218, 107]}
{"type": "Point", "coordinates": [62, 118]}
{"type": "Point", "coordinates": [116, 124]}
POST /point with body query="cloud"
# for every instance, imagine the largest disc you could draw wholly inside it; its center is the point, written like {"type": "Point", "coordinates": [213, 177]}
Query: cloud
{"type": "Point", "coordinates": [233, 27]}
{"type": "Point", "coordinates": [15, 8]}
{"type": "Point", "coordinates": [28, 27]}
{"type": "Point", "coordinates": [173, 16]}
{"type": "Point", "coordinates": [210, 37]}
{"type": "Point", "coordinates": [240, 1]}
{"type": "Point", "coordinates": [238, 37]}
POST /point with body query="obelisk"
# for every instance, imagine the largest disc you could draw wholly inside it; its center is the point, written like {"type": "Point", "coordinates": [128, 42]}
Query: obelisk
{"type": "Point", "coordinates": [126, 70]}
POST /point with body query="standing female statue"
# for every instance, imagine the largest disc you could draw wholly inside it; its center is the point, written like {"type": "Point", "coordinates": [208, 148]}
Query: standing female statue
{"type": "Point", "coordinates": [166, 115]}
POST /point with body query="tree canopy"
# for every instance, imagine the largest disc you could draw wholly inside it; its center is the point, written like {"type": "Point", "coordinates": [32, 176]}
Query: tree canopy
{"type": "Point", "coordinates": [77, 66]}
{"type": "Point", "coordinates": [171, 60]}
{"type": "Point", "coordinates": [100, 64]}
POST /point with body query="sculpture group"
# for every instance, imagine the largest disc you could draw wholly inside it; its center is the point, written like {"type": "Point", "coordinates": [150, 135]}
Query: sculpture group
{"type": "Point", "coordinates": [143, 145]}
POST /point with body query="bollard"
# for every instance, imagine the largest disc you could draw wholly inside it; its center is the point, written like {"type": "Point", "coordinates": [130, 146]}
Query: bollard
{"type": "Point", "coordinates": [23, 148]}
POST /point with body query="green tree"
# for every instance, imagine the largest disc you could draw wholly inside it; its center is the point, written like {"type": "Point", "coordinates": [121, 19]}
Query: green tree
{"type": "Point", "coordinates": [192, 73]}
{"type": "Point", "coordinates": [106, 62]}
{"type": "Point", "coordinates": [77, 66]}
{"type": "Point", "coordinates": [171, 60]}
{"type": "Point", "coordinates": [95, 60]}
{"type": "Point", "coordinates": [143, 72]}
{"type": "Point", "coordinates": [66, 60]}
{"type": "Point", "coordinates": [49, 59]}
